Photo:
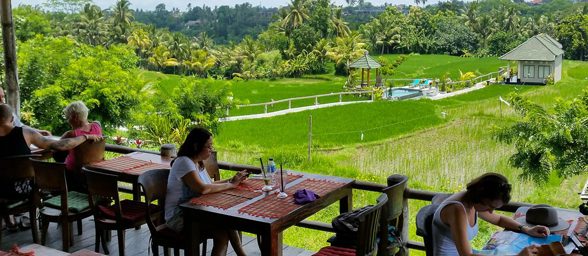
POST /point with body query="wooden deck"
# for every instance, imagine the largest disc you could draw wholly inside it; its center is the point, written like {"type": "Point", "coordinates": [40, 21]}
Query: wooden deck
{"type": "Point", "coordinates": [137, 241]}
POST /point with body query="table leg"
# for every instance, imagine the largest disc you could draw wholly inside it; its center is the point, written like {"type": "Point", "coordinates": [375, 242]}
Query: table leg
{"type": "Point", "coordinates": [136, 192]}
{"type": "Point", "coordinates": [192, 228]}
{"type": "Point", "coordinates": [271, 245]}
{"type": "Point", "coordinates": [346, 203]}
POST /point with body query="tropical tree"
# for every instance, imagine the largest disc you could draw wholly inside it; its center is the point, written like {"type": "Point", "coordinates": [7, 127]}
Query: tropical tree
{"type": "Point", "coordinates": [122, 19]}
{"type": "Point", "coordinates": [162, 58]}
{"type": "Point", "coordinates": [295, 14]}
{"type": "Point", "coordinates": [547, 141]}
{"type": "Point", "coordinates": [344, 50]}
{"type": "Point", "coordinates": [140, 40]}
{"type": "Point", "coordinates": [91, 27]}
{"type": "Point", "coordinates": [338, 23]}
{"type": "Point", "coordinates": [200, 62]}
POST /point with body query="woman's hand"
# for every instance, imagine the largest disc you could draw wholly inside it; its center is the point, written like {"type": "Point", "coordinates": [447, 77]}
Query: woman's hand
{"type": "Point", "coordinates": [240, 176]}
{"type": "Point", "coordinates": [530, 250]}
{"type": "Point", "coordinates": [537, 231]}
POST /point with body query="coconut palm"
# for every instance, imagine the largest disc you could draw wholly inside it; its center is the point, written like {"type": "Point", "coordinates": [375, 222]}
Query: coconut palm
{"type": "Point", "coordinates": [91, 28]}
{"type": "Point", "coordinates": [200, 62]}
{"type": "Point", "coordinates": [296, 15]}
{"type": "Point", "coordinates": [162, 58]}
{"type": "Point", "coordinates": [139, 39]}
{"type": "Point", "coordinates": [338, 23]}
{"type": "Point", "coordinates": [345, 50]}
{"type": "Point", "coordinates": [203, 41]}
{"type": "Point", "coordinates": [122, 17]}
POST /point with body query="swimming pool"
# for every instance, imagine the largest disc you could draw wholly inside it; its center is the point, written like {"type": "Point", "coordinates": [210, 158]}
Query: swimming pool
{"type": "Point", "coordinates": [401, 93]}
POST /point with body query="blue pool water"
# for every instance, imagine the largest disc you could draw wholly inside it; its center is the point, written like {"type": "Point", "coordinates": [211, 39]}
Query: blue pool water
{"type": "Point", "coordinates": [401, 93]}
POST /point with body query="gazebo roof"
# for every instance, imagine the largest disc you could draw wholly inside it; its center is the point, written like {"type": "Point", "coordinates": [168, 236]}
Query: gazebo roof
{"type": "Point", "coordinates": [541, 47]}
{"type": "Point", "coordinates": [365, 61]}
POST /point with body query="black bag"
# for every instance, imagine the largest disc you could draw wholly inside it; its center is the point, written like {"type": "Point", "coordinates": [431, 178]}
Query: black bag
{"type": "Point", "coordinates": [346, 226]}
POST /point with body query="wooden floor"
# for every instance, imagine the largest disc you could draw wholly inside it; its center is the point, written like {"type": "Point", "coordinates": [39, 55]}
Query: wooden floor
{"type": "Point", "coordinates": [137, 241]}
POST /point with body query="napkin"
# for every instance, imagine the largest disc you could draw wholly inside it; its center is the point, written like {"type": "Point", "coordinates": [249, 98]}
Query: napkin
{"type": "Point", "coordinates": [303, 196]}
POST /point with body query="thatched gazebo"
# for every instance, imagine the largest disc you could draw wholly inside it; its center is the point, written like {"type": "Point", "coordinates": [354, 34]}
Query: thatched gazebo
{"type": "Point", "coordinates": [366, 62]}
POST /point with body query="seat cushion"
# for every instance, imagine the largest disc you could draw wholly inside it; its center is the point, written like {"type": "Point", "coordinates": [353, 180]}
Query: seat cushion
{"type": "Point", "coordinates": [335, 251]}
{"type": "Point", "coordinates": [76, 202]}
{"type": "Point", "coordinates": [132, 211]}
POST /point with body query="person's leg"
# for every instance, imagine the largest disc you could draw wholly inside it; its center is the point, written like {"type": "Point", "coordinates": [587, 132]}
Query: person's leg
{"type": "Point", "coordinates": [236, 242]}
{"type": "Point", "coordinates": [221, 242]}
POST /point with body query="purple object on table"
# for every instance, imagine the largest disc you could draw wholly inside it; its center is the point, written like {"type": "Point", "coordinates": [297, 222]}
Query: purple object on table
{"type": "Point", "coordinates": [303, 196]}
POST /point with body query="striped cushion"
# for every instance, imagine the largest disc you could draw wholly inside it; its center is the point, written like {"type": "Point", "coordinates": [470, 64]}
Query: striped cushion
{"type": "Point", "coordinates": [335, 251]}
{"type": "Point", "coordinates": [76, 202]}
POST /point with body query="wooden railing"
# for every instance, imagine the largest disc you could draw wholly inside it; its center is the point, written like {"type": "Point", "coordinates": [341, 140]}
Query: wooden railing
{"type": "Point", "coordinates": [409, 194]}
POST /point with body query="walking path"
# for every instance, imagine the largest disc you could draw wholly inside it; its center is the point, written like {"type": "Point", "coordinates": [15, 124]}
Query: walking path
{"type": "Point", "coordinates": [477, 86]}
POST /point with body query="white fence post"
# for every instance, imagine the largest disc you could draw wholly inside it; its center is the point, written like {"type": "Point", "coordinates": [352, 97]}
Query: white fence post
{"type": "Point", "coordinates": [265, 108]}
{"type": "Point", "coordinates": [289, 104]}
{"type": "Point", "coordinates": [316, 101]}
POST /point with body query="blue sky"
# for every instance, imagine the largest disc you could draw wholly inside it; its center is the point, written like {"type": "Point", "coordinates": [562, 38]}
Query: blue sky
{"type": "Point", "coordinates": [182, 4]}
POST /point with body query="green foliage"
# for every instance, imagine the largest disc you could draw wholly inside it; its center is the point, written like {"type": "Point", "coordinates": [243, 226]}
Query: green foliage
{"type": "Point", "coordinates": [29, 22]}
{"type": "Point", "coordinates": [201, 102]}
{"type": "Point", "coordinates": [549, 141]}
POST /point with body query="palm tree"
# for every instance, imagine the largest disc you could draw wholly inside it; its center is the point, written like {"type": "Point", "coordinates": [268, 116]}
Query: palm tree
{"type": "Point", "coordinates": [296, 15]}
{"type": "Point", "coordinates": [204, 41]}
{"type": "Point", "coordinates": [140, 40]}
{"type": "Point", "coordinates": [345, 50]}
{"type": "Point", "coordinates": [162, 58]}
{"type": "Point", "coordinates": [122, 17]}
{"type": "Point", "coordinates": [339, 24]}
{"type": "Point", "coordinates": [91, 28]}
{"type": "Point", "coordinates": [200, 62]}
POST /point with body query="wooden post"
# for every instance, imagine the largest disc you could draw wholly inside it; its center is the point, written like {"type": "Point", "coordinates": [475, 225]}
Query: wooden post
{"type": "Point", "coordinates": [316, 101]}
{"type": "Point", "coordinates": [368, 77]}
{"type": "Point", "coordinates": [13, 92]}
{"type": "Point", "coordinates": [340, 97]}
{"type": "Point", "coordinates": [265, 108]}
{"type": "Point", "coordinates": [309, 137]}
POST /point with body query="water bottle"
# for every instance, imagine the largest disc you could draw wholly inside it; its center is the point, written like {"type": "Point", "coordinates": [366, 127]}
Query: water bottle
{"type": "Point", "coordinates": [271, 171]}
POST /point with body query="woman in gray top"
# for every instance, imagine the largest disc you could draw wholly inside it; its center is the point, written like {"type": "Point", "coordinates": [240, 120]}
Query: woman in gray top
{"type": "Point", "coordinates": [455, 222]}
{"type": "Point", "coordinates": [188, 178]}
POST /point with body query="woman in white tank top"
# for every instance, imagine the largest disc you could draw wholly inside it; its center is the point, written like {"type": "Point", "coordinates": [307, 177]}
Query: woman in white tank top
{"type": "Point", "coordinates": [455, 222]}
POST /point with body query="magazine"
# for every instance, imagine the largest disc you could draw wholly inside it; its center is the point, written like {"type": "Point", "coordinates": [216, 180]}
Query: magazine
{"type": "Point", "coordinates": [511, 243]}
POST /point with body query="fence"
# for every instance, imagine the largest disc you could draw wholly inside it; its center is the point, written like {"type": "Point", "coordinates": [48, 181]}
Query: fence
{"type": "Point", "coordinates": [315, 97]}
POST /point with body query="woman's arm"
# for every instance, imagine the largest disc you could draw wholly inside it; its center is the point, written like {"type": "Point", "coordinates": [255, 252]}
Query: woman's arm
{"type": "Point", "coordinates": [509, 223]}
{"type": "Point", "coordinates": [192, 180]}
{"type": "Point", "coordinates": [455, 217]}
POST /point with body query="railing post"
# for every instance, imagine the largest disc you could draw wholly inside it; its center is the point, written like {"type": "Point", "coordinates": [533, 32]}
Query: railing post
{"type": "Point", "coordinates": [340, 97]}
{"type": "Point", "coordinates": [289, 104]}
{"type": "Point", "coordinates": [316, 101]}
{"type": "Point", "coordinates": [227, 111]}
{"type": "Point", "coordinates": [372, 96]}
{"type": "Point", "coordinates": [265, 108]}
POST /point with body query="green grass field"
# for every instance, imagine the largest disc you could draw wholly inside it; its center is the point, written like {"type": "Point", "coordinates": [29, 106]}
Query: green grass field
{"type": "Point", "coordinates": [406, 137]}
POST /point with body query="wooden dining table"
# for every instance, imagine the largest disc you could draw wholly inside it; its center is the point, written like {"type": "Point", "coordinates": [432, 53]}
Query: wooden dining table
{"type": "Point", "coordinates": [247, 208]}
{"type": "Point", "coordinates": [128, 167]}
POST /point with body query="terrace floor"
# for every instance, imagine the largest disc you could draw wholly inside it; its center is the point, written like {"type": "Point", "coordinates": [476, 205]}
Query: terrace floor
{"type": "Point", "coordinates": [137, 241]}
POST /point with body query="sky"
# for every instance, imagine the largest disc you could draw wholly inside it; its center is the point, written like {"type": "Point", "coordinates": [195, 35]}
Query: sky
{"type": "Point", "coordinates": [182, 4]}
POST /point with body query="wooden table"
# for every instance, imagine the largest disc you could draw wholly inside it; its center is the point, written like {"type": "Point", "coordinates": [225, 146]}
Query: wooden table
{"type": "Point", "coordinates": [198, 216]}
{"type": "Point", "coordinates": [128, 167]}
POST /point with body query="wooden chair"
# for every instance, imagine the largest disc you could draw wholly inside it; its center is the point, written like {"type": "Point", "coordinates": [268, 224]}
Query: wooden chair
{"type": "Point", "coordinates": [17, 172]}
{"type": "Point", "coordinates": [389, 219]}
{"type": "Point", "coordinates": [64, 208]}
{"type": "Point", "coordinates": [86, 153]}
{"type": "Point", "coordinates": [154, 187]}
{"type": "Point", "coordinates": [110, 213]}
{"type": "Point", "coordinates": [366, 234]}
